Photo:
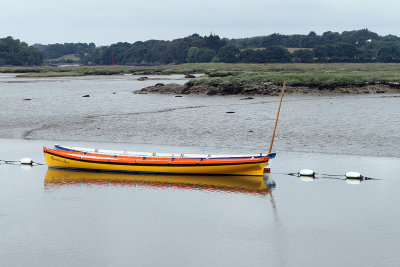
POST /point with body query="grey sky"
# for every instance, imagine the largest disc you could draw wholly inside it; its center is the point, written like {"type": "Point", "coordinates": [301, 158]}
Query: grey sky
{"type": "Point", "coordinates": [106, 22]}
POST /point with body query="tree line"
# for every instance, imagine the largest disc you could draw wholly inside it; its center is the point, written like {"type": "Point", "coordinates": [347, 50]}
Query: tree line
{"type": "Point", "coordinates": [52, 51]}
{"type": "Point", "coordinates": [348, 46]}
{"type": "Point", "coordinates": [194, 48]}
{"type": "Point", "coordinates": [17, 53]}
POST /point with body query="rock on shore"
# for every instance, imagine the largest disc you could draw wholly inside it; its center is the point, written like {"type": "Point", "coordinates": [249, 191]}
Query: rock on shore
{"type": "Point", "coordinates": [267, 89]}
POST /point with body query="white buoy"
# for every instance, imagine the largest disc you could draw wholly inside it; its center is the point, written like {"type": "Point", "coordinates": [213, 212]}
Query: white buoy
{"type": "Point", "coordinates": [353, 175]}
{"type": "Point", "coordinates": [26, 161]}
{"type": "Point", "coordinates": [306, 172]}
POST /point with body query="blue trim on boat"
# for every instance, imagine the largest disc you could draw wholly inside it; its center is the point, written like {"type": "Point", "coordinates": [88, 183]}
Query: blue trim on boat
{"type": "Point", "coordinates": [64, 148]}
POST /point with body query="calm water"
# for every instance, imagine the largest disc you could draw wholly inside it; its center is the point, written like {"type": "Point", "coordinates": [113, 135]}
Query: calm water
{"type": "Point", "coordinates": [70, 219]}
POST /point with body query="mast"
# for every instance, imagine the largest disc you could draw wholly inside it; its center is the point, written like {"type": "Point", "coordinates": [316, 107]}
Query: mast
{"type": "Point", "coordinates": [277, 115]}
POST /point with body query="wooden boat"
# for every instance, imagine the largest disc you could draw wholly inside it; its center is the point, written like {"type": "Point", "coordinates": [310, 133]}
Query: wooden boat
{"type": "Point", "coordinates": [108, 160]}
{"type": "Point", "coordinates": [235, 184]}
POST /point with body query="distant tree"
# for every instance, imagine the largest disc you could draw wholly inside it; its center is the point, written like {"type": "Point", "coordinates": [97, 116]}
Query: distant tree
{"type": "Point", "coordinates": [348, 46]}
{"type": "Point", "coordinates": [339, 52]}
{"type": "Point", "coordinates": [303, 56]}
{"type": "Point", "coordinates": [58, 50]}
{"type": "Point", "coordinates": [192, 54]}
{"type": "Point", "coordinates": [366, 55]}
{"type": "Point", "coordinates": [275, 39]}
{"type": "Point", "coordinates": [390, 38]}
{"type": "Point", "coordinates": [206, 55]}
{"type": "Point", "coordinates": [273, 54]}
{"type": "Point", "coordinates": [120, 53]}
{"type": "Point", "coordinates": [311, 40]}
{"type": "Point", "coordinates": [250, 56]}
{"type": "Point", "coordinates": [276, 54]}
{"type": "Point", "coordinates": [229, 54]}
{"type": "Point", "coordinates": [321, 52]}
{"type": "Point", "coordinates": [137, 52]}
{"type": "Point", "coordinates": [197, 55]}
{"type": "Point", "coordinates": [214, 42]}
{"type": "Point", "coordinates": [358, 38]}
{"type": "Point", "coordinates": [244, 43]}
{"type": "Point", "coordinates": [40, 47]}
{"type": "Point", "coordinates": [389, 53]}
{"type": "Point", "coordinates": [295, 40]}
{"type": "Point", "coordinates": [312, 34]}
{"type": "Point", "coordinates": [330, 37]}
{"type": "Point", "coordinates": [14, 52]}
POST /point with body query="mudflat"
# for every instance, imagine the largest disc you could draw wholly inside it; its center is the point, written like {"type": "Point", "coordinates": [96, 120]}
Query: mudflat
{"type": "Point", "coordinates": [105, 109]}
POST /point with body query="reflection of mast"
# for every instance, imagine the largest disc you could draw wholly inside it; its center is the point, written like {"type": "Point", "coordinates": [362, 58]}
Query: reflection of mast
{"type": "Point", "coordinates": [275, 210]}
{"type": "Point", "coordinates": [279, 247]}
{"type": "Point", "coordinates": [270, 183]}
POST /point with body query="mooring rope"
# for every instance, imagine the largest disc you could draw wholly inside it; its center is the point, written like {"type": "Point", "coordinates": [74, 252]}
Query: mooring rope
{"type": "Point", "coordinates": [327, 176]}
{"type": "Point", "coordinates": [16, 162]}
{"type": "Point", "coordinates": [330, 176]}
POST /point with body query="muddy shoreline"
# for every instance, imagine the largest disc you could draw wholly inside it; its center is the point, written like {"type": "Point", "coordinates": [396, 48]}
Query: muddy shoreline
{"type": "Point", "coordinates": [269, 89]}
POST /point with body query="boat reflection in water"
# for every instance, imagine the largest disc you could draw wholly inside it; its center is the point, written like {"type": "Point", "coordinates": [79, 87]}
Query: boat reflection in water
{"type": "Point", "coordinates": [234, 184]}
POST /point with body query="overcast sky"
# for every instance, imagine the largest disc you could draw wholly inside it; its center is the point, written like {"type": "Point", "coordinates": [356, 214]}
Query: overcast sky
{"type": "Point", "coordinates": [109, 21]}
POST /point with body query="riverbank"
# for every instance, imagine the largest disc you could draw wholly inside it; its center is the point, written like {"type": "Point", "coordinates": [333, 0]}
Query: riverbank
{"type": "Point", "coordinates": [268, 89]}
{"type": "Point", "coordinates": [245, 79]}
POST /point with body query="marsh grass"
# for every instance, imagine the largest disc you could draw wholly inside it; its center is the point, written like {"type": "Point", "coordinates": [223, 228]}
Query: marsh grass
{"type": "Point", "coordinates": [295, 74]}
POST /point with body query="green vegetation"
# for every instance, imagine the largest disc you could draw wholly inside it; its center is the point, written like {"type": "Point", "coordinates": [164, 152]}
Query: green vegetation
{"type": "Point", "coordinates": [361, 46]}
{"type": "Point", "coordinates": [193, 48]}
{"type": "Point", "coordinates": [320, 80]}
{"type": "Point", "coordinates": [67, 53]}
{"type": "Point", "coordinates": [66, 59]}
{"type": "Point", "coordinates": [229, 54]}
{"type": "Point", "coordinates": [311, 75]}
{"type": "Point", "coordinates": [16, 53]}
{"type": "Point", "coordinates": [197, 55]}
{"type": "Point", "coordinates": [353, 58]}
{"type": "Point", "coordinates": [242, 75]}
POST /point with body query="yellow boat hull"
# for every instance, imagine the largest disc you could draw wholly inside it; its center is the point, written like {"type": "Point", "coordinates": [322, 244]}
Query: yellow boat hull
{"type": "Point", "coordinates": [252, 168]}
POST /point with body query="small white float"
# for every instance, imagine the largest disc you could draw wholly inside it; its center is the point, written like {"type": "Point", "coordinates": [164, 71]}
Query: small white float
{"type": "Point", "coordinates": [306, 175]}
{"type": "Point", "coordinates": [353, 175]}
{"type": "Point", "coordinates": [26, 161]}
{"type": "Point", "coordinates": [307, 172]}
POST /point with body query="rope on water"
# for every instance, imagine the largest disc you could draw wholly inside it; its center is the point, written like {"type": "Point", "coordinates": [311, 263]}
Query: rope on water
{"type": "Point", "coordinates": [327, 176]}
{"type": "Point", "coordinates": [16, 162]}
{"type": "Point", "coordinates": [332, 176]}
